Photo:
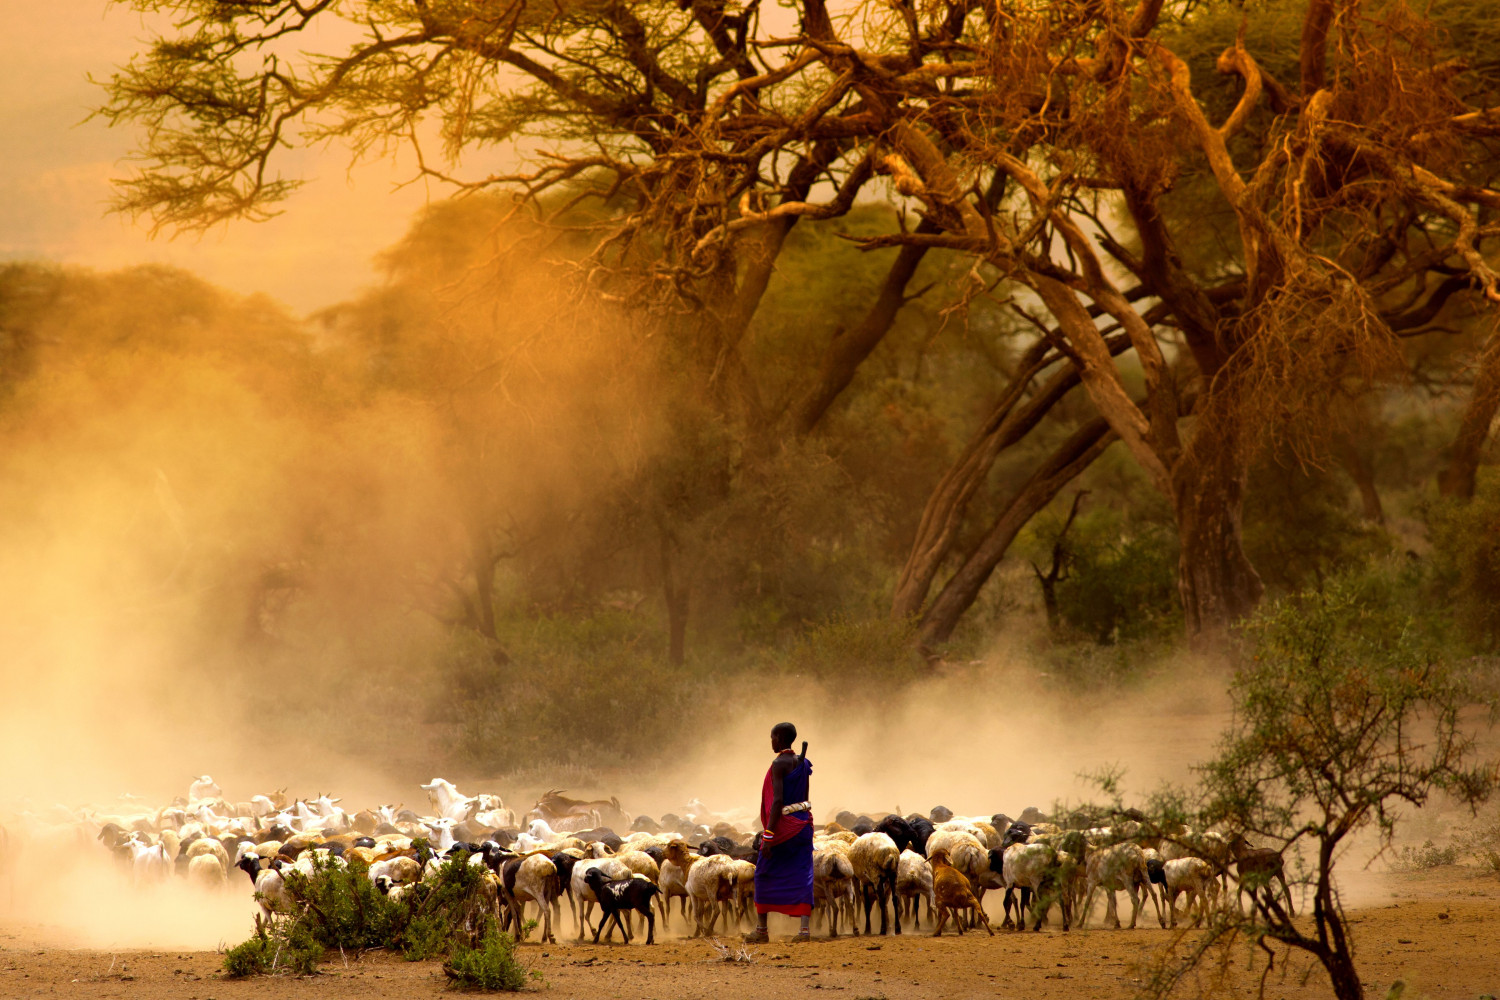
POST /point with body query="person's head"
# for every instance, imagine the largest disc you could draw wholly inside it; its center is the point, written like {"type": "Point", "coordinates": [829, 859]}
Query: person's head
{"type": "Point", "coordinates": [782, 736]}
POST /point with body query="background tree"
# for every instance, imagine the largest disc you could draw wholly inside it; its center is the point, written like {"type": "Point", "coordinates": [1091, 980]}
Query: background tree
{"type": "Point", "coordinates": [1067, 153]}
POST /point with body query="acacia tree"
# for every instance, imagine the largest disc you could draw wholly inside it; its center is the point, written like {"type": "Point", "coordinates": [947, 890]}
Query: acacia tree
{"type": "Point", "coordinates": [1345, 713]}
{"type": "Point", "coordinates": [1051, 143]}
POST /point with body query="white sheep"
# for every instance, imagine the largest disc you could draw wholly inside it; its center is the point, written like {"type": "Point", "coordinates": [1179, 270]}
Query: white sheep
{"type": "Point", "coordinates": [535, 882]}
{"type": "Point", "coordinates": [1193, 877]}
{"type": "Point", "coordinates": [833, 887]}
{"type": "Point", "coordinates": [876, 865]}
{"type": "Point", "coordinates": [448, 801]}
{"type": "Point", "coordinates": [1115, 869]}
{"type": "Point", "coordinates": [398, 870]}
{"type": "Point", "coordinates": [203, 788]}
{"type": "Point", "coordinates": [1024, 866]}
{"type": "Point", "coordinates": [744, 889]}
{"type": "Point", "coordinates": [148, 862]}
{"type": "Point", "coordinates": [584, 893]}
{"type": "Point", "coordinates": [1208, 845]}
{"type": "Point", "coordinates": [711, 884]}
{"type": "Point", "coordinates": [673, 882]}
{"type": "Point", "coordinates": [206, 871]}
{"type": "Point", "coordinates": [914, 884]}
{"type": "Point", "coordinates": [210, 847]}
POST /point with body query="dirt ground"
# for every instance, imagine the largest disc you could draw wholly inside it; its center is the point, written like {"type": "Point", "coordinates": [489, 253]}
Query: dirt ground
{"type": "Point", "coordinates": [1439, 934]}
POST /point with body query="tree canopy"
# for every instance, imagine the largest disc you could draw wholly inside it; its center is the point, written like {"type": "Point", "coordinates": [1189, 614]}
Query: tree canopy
{"type": "Point", "coordinates": [1219, 222]}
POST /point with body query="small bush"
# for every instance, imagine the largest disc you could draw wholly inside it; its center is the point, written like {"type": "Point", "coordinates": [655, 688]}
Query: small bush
{"type": "Point", "coordinates": [342, 907]}
{"type": "Point", "coordinates": [1480, 840]}
{"type": "Point", "coordinates": [1120, 587]}
{"type": "Point", "coordinates": [876, 648]}
{"type": "Point", "coordinates": [491, 966]}
{"type": "Point", "coordinates": [1466, 554]}
{"type": "Point", "coordinates": [1429, 855]}
{"type": "Point", "coordinates": [283, 945]}
{"type": "Point", "coordinates": [339, 907]}
{"type": "Point", "coordinates": [426, 936]}
{"type": "Point", "coordinates": [249, 958]}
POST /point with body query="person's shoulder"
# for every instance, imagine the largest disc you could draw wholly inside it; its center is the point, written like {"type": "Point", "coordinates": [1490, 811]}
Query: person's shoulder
{"type": "Point", "coordinates": [784, 762]}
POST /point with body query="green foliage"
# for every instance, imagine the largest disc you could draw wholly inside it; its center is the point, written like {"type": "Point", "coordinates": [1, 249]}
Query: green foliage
{"type": "Point", "coordinates": [284, 945]}
{"type": "Point", "coordinates": [1120, 582]}
{"type": "Point", "coordinates": [1345, 708]}
{"type": "Point", "coordinates": [1300, 528]}
{"type": "Point", "coordinates": [878, 649]}
{"type": "Point", "coordinates": [1429, 855]}
{"type": "Point", "coordinates": [340, 908]}
{"type": "Point", "coordinates": [248, 958]}
{"type": "Point", "coordinates": [492, 965]}
{"type": "Point", "coordinates": [425, 936]}
{"type": "Point", "coordinates": [1466, 558]}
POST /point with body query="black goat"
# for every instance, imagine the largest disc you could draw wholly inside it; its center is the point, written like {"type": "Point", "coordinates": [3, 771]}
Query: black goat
{"type": "Point", "coordinates": [897, 829]}
{"type": "Point", "coordinates": [921, 829]}
{"type": "Point", "coordinates": [622, 895]}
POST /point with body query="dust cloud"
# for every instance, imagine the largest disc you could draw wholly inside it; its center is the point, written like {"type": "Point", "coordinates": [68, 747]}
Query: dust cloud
{"type": "Point", "coordinates": [979, 738]}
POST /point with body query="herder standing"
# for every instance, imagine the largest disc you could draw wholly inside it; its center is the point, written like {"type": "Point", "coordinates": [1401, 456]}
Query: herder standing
{"type": "Point", "coordinates": [784, 870]}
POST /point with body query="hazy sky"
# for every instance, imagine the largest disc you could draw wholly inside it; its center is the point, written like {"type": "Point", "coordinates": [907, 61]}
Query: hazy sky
{"type": "Point", "coordinates": [56, 168]}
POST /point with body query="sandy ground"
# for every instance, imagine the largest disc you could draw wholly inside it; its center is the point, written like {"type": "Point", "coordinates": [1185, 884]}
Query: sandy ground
{"type": "Point", "coordinates": [1439, 934]}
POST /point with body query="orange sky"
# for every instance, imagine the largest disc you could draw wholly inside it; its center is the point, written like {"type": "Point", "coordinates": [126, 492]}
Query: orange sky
{"type": "Point", "coordinates": [55, 172]}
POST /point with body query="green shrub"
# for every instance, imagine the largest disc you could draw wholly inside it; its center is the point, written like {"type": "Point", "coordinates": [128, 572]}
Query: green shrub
{"type": "Point", "coordinates": [248, 958]}
{"type": "Point", "coordinates": [490, 966]}
{"type": "Point", "coordinates": [1480, 840]}
{"type": "Point", "coordinates": [1120, 586]}
{"type": "Point", "coordinates": [426, 936]}
{"type": "Point", "coordinates": [873, 648]}
{"type": "Point", "coordinates": [343, 908]}
{"type": "Point", "coordinates": [1466, 557]}
{"type": "Point", "coordinates": [282, 945]}
{"type": "Point", "coordinates": [339, 907]}
{"type": "Point", "coordinates": [1429, 855]}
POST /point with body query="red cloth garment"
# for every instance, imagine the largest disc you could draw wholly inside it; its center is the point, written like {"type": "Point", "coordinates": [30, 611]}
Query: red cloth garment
{"type": "Point", "coordinates": [779, 829]}
{"type": "Point", "coordinates": [783, 871]}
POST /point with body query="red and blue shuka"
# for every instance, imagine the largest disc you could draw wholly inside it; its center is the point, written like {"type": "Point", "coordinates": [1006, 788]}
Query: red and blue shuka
{"type": "Point", "coordinates": [784, 870]}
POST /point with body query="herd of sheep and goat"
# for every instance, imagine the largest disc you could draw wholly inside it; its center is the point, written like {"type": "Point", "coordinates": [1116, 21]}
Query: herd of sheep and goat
{"type": "Point", "coordinates": [594, 853]}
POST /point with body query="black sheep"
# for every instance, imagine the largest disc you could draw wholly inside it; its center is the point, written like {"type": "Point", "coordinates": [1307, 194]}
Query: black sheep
{"type": "Point", "coordinates": [622, 895]}
{"type": "Point", "coordinates": [897, 829]}
{"type": "Point", "coordinates": [1019, 833]}
{"type": "Point", "coordinates": [565, 862]}
{"type": "Point", "coordinates": [921, 829]}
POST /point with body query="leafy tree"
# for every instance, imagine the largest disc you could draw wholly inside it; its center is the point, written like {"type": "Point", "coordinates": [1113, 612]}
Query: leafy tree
{"type": "Point", "coordinates": [1345, 711]}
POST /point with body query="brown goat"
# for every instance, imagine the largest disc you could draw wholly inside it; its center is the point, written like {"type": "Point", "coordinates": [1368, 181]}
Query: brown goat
{"type": "Point", "coordinates": [1259, 865]}
{"type": "Point", "coordinates": [951, 892]}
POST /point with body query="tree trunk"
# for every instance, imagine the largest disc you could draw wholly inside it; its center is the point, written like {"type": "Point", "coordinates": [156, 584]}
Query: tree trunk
{"type": "Point", "coordinates": [1356, 462]}
{"type": "Point", "coordinates": [959, 593]}
{"type": "Point", "coordinates": [1457, 479]}
{"type": "Point", "coordinates": [485, 560]}
{"type": "Point", "coordinates": [1217, 583]}
{"type": "Point", "coordinates": [949, 502]}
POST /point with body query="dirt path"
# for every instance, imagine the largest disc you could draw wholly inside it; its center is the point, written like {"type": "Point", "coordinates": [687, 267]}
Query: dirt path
{"type": "Point", "coordinates": [1440, 935]}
